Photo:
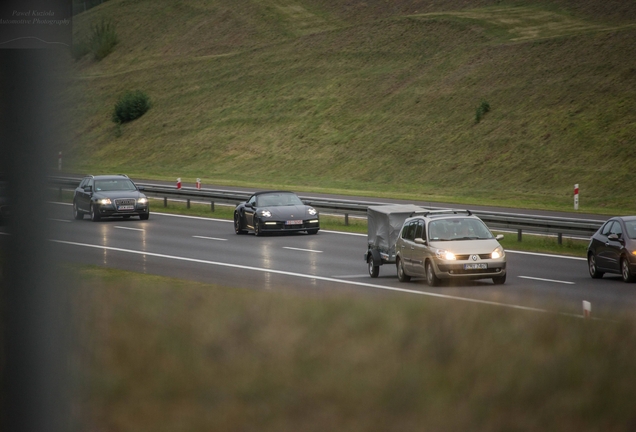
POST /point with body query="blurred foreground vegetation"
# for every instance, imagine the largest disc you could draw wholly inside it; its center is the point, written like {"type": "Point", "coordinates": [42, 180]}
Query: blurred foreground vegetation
{"type": "Point", "coordinates": [158, 354]}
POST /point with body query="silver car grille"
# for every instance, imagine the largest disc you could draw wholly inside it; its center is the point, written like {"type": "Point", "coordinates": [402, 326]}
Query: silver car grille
{"type": "Point", "coordinates": [126, 201]}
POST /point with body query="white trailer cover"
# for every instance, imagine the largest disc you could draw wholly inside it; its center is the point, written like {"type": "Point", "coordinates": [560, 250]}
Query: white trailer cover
{"type": "Point", "coordinates": [384, 224]}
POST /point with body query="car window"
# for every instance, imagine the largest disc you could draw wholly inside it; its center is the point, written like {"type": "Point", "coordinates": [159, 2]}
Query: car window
{"type": "Point", "coordinates": [252, 200]}
{"type": "Point", "coordinates": [114, 185]}
{"type": "Point", "coordinates": [606, 228]}
{"type": "Point", "coordinates": [419, 229]}
{"type": "Point", "coordinates": [84, 182]}
{"type": "Point", "coordinates": [410, 233]}
{"type": "Point", "coordinates": [616, 229]}
{"type": "Point", "coordinates": [630, 227]}
{"type": "Point", "coordinates": [405, 230]}
{"type": "Point", "coordinates": [278, 199]}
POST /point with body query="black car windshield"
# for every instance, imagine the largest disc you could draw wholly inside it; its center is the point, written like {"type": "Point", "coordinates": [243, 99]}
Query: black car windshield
{"type": "Point", "coordinates": [631, 229]}
{"type": "Point", "coordinates": [114, 185]}
{"type": "Point", "coordinates": [277, 199]}
{"type": "Point", "coordinates": [458, 229]}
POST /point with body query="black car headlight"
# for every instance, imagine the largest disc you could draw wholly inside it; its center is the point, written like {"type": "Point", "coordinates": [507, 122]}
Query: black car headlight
{"type": "Point", "coordinates": [142, 200]}
{"type": "Point", "coordinates": [104, 201]}
{"type": "Point", "coordinates": [266, 213]}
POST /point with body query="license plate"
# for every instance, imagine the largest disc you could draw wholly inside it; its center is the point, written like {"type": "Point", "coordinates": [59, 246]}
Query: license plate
{"type": "Point", "coordinates": [126, 207]}
{"type": "Point", "coordinates": [475, 266]}
{"type": "Point", "coordinates": [294, 222]}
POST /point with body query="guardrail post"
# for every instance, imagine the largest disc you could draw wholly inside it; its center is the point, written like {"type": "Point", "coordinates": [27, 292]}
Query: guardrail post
{"type": "Point", "coordinates": [560, 238]}
{"type": "Point", "coordinates": [519, 235]}
{"type": "Point", "coordinates": [188, 202]}
{"type": "Point", "coordinates": [165, 201]}
{"type": "Point", "coordinates": [212, 206]}
{"type": "Point", "coordinates": [346, 218]}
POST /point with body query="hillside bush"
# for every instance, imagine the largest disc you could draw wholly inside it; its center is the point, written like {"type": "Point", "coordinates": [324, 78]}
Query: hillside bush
{"type": "Point", "coordinates": [482, 109]}
{"type": "Point", "coordinates": [131, 106]}
{"type": "Point", "coordinates": [102, 40]}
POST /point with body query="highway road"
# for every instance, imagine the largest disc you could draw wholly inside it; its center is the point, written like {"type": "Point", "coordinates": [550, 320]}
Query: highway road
{"type": "Point", "coordinates": [207, 250]}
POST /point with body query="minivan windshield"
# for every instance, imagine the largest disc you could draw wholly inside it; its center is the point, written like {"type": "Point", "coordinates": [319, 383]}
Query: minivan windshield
{"type": "Point", "coordinates": [458, 229]}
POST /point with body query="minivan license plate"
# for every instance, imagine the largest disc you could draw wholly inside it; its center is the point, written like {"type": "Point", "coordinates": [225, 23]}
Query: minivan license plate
{"type": "Point", "coordinates": [475, 266]}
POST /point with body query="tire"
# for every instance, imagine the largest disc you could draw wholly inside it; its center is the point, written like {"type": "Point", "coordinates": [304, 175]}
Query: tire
{"type": "Point", "coordinates": [591, 266]}
{"type": "Point", "coordinates": [238, 228]}
{"type": "Point", "coordinates": [128, 216]}
{"type": "Point", "coordinates": [374, 270]}
{"type": "Point", "coordinates": [402, 276]}
{"type": "Point", "coordinates": [431, 279]}
{"type": "Point", "coordinates": [626, 273]}
{"type": "Point", "coordinates": [499, 280]}
{"type": "Point", "coordinates": [257, 228]}
{"type": "Point", "coordinates": [94, 215]}
{"type": "Point", "coordinates": [312, 231]}
{"type": "Point", "coordinates": [77, 213]}
{"type": "Point", "coordinates": [144, 216]}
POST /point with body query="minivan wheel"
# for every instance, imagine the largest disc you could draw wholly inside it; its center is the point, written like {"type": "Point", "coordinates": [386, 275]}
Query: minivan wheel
{"type": "Point", "coordinates": [431, 278]}
{"type": "Point", "coordinates": [402, 276]}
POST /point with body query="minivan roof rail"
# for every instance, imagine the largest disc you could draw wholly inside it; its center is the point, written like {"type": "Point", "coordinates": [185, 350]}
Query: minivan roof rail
{"type": "Point", "coordinates": [440, 212]}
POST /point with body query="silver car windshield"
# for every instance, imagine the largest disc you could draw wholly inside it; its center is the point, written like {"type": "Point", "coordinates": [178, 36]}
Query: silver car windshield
{"type": "Point", "coordinates": [458, 229]}
{"type": "Point", "coordinates": [277, 199]}
{"type": "Point", "coordinates": [114, 185]}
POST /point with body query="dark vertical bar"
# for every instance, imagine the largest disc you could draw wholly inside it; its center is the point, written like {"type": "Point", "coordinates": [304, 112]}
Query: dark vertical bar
{"type": "Point", "coordinates": [519, 235]}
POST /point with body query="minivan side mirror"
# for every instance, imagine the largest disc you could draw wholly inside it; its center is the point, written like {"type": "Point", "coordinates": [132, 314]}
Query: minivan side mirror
{"type": "Point", "coordinates": [420, 241]}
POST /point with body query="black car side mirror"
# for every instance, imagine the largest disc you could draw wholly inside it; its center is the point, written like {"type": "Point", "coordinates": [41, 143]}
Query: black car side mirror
{"type": "Point", "coordinates": [88, 189]}
{"type": "Point", "coordinates": [141, 188]}
{"type": "Point", "coordinates": [615, 237]}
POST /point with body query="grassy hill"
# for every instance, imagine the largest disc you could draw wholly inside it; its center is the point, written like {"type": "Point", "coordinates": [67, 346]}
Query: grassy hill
{"type": "Point", "coordinates": [371, 97]}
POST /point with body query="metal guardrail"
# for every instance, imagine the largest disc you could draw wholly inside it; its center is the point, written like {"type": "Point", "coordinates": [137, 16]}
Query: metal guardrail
{"type": "Point", "coordinates": [494, 220]}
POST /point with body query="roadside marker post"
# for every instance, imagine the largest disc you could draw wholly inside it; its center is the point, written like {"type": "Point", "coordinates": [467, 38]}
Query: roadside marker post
{"type": "Point", "coordinates": [59, 161]}
{"type": "Point", "coordinates": [576, 196]}
{"type": "Point", "coordinates": [199, 183]}
{"type": "Point", "coordinates": [179, 183]}
{"type": "Point", "coordinates": [587, 309]}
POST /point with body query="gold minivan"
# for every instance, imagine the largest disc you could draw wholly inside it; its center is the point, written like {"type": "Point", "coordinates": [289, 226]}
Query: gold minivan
{"type": "Point", "coordinates": [449, 244]}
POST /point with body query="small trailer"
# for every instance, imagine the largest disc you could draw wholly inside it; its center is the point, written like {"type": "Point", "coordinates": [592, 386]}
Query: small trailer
{"type": "Point", "coordinates": [384, 225]}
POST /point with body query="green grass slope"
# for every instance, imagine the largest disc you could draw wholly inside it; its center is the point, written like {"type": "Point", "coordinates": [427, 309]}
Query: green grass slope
{"type": "Point", "coordinates": [370, 97]}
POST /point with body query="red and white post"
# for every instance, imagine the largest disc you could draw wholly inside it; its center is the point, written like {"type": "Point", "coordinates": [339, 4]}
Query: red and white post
{"type": "Point", "coordinates": [576, 197]}
{"type": "Point", "coordinates": [198, 183]}
{"type": "Point", "coordinates": [587, 309]}
{"type": "Point", "coordinates": [179, 183]}
{"type": "Point", "coordinates": [59, 161]}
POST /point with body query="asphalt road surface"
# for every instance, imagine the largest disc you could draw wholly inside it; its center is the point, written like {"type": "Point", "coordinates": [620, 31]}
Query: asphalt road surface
{"type": "Point", "coordinates": [207, 250]}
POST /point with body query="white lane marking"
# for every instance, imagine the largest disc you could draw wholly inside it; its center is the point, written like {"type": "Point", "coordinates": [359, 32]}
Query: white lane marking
{"type": "Point", "coordinates": [546, 255]}
{"type": "Point", "coordinates": [192, 217]}
{"type": "Point", "coordinates": [210, 238]}
{"type": "Point", "coordinates": [129, 228]}
{"type": "Point", "coordinates": [344, 233]}
{"type": "Point", "coordinates": [59, 203]}
{"type": "Point", "coordinates": [59, 220]}
{"type": "Point", "coordinates": [4, 233]}
{"type": "Point", "coordinates": [352, 276]}
{"type": "Point", "coordinates": [314, 277]}
{"type": "Point", "coordinates": [546, 280]}
{"type": "Point", "coordinates": [302, 250]}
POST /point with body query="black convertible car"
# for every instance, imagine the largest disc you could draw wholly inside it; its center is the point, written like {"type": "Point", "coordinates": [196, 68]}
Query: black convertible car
{"type": "Point", "coordinates": [275, 211]}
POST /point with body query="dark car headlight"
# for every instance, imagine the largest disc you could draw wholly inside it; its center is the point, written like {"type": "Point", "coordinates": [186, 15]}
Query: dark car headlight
{"type": "Point", "coordinates": [104, 201]}
{"type": "Point", "coordinates": [142, 200]}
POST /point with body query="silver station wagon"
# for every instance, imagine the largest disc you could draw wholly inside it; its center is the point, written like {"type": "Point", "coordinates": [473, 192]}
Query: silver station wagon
{"type": "Point", "coordinates": [448, 244]}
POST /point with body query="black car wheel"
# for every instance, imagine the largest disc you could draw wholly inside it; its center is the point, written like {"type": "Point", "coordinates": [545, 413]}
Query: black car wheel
{"type": "Point", "coordinates": [402, 276]}
{"type": "Point", "coordinates": [94, 213]}
{"type": "Point", "coordinates": [499, 280]}
{"type": "Point", "coordinates": [257, 227]}
{"type": "Point", "coordinates": [374, 270]}
{"type": "Point", "coordinates": [238, 226]}
{"type": "Point", "coordinates": [626, 272]}
{"type": "Point", "coordinates": [431, 278]}
{"type": "Point", "coordinates": [77, 214]}
{"type": "Point", "coordinates": [591, 265]}
{"type": "Point", "coordinates": [312, 231]}
{"type": "Point", "coordinates": [144, 216]}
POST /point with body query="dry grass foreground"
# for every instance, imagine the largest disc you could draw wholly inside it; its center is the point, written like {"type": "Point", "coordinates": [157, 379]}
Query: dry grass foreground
{"type": "Point", "coordinates": [155, 354]}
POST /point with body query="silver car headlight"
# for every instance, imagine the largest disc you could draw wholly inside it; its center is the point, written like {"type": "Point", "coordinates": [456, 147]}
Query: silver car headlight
{"type": "Point", "coordinates": [497, 253]}
{"type": "Point", "coordinates": [104, 201]}
{"type": "Point", "coordinates": [266, 213]}
{"type": "Point", "coordinates": [445, 255]}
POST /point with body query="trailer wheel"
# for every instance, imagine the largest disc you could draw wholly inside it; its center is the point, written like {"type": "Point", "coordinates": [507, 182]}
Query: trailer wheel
{"type": "Point", "coordinates": [374, 270]}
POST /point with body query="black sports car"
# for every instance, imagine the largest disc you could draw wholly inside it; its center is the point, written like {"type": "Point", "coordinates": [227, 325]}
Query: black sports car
{"type": "Point", "coordinates": [275, 211]}
{"type": "Point", "coordinates": [107, 196]}
{"type": "Point", "coordinates": [612, 249]}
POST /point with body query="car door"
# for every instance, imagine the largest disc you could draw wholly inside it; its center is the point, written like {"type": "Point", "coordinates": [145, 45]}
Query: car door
{"type": "Point", "coordinates": [84, 195]}
{"type": "Point", "coordinates": [614, 246]}
{"type": "Point", "coordinates": [419, 250]}
{"type": "Point", "coordinates": [604, 254]}
{"type": "Point", "coordinates": [407, 245]}
{"type": "Point", "coordinates": [249, 210]}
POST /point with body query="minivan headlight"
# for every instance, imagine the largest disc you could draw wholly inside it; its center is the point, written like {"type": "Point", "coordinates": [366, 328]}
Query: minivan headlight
{"type": "Point", "coordinates": [497, 253]}
{"type": "Point", "coordinates": [445, 255]}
